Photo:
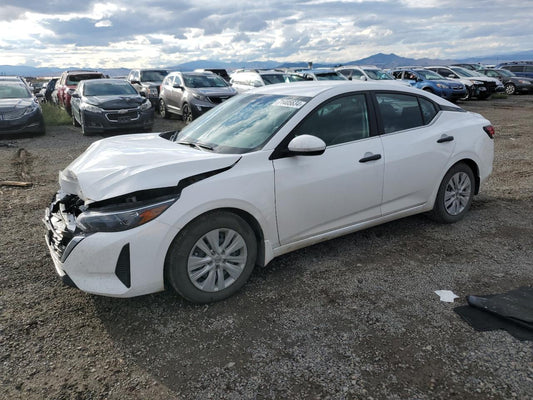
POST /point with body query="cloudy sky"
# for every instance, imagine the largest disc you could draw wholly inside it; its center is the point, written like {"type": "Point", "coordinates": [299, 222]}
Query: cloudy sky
{"type": "Point", "coordinates": [155, 33]}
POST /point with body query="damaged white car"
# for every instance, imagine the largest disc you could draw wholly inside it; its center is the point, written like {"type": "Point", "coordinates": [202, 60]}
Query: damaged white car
{"type": "Point", "coordinates": [265, 173]}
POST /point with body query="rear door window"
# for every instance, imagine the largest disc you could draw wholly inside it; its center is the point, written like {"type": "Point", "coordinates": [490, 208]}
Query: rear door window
{"type": "Point", "coordinates": [400, 111]}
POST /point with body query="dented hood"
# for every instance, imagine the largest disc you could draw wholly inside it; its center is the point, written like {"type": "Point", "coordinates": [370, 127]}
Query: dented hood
{"type": "Point", "coordinates": [125, 164]}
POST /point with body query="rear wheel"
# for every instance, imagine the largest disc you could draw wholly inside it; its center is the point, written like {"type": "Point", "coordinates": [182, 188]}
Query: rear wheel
{"type": "Point", "coordinates": [455, 194]}
{"type": "Point", "coordinates": [211, 258]}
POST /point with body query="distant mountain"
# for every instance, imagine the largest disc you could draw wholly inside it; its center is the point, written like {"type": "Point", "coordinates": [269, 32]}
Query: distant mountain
{"type": "Point", "coordinates": [380, 60]}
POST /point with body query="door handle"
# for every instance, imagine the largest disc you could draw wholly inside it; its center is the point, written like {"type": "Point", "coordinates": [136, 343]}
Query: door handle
{"type": "Point", "coordinates": [372, 157]}
{"type": "Point", "coordinates": [445, 139]}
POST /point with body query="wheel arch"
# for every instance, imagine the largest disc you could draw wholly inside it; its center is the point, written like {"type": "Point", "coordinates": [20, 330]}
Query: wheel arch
{"type": "Point", "coordinates": [475, 170]}
{"type": "Point", "coordinates": [246, 216]}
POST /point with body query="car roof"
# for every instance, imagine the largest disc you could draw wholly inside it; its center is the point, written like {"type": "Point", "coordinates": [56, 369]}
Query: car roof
{"type": "Point", "coordinates": [108, 80]}
{"type": "Point", "coordinates": [314, 88]}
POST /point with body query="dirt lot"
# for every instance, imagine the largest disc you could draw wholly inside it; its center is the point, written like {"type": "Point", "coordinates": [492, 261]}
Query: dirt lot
{"type": "Point", "coordinates": [353, 318]}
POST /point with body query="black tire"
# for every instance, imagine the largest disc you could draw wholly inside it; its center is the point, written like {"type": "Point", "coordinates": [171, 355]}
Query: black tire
{"type": "Point", "coordinates": [74, 121]}
{"type": "Point", "coordinates": [185, 245]}
{"type": "Point", "coordinates": [186, 114]}
{"type": "Point", "coordinates": [163, 111]}
{"type": "Point", "coordinates": [510, 89]}
{"type": "Point", "coordinates": [455, 194]}
{"type": "Point", "coordinates": [84, 131]}
{"type": "Point", "coordinates": [467, 96]}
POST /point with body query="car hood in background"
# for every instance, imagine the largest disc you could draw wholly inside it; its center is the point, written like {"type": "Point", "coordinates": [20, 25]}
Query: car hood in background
{"type": "Point", "coordinates": [120, 165]}
{"type": "Point", "coordinates": [115, 102]}
{"type": "Point", "coordinates": [10, 104]}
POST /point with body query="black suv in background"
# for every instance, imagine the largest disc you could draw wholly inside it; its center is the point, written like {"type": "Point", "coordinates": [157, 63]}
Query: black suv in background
{"type": "Point", "coordinates": [147, 83]}
{"type": "Point", "coordinates": [519, 68]}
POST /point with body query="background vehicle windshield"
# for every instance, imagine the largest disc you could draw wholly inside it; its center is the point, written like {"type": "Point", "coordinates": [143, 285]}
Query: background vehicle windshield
{"type": "Point", "coordinates": [464, 72]}
{"type": "Point", "coordinates": [75, 79]}
{"type": "Point", "coordinates": [204, 81]}
{"type": "Point", "coordinates": [378, 74]}
{"type": "Point", "coordinates": [153, 76]}
{"type": "Point", "coordinates": [242, 124]}
{"type": "Point", "coordinates": [99, 88]}
{"type": "Point", "coordinates": [13, 90]}
{"type": "Point", "coordinates": [504, 72]}
{"type": "Point", "coordinates": [329, 76]}
{"type": "Point", "coordinates": [271, 79]}
{"type": "Point", "coordinates": [429, 75]}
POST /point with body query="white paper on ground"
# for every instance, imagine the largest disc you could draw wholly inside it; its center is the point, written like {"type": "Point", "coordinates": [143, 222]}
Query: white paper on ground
{"type": "Point", "coordinates": [446, 295]}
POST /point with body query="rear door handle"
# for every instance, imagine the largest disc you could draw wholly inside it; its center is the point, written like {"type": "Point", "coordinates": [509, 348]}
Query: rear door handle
{"type": "Point", "coordinates": [445, 139]}
{"type": "Point", "coordinates": [372, 157]}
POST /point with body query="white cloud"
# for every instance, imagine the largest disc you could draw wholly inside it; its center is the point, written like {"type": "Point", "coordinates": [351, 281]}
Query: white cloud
{"type": "Point", "coordinates": [167, 32]}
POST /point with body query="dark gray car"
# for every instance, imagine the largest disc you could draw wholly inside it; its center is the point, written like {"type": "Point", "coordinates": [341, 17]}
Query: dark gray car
{"type": "Point", "coordinates": [19, 110]}
{"type": "Point", "coordinates": [110, 104]}
{"type": "Point", "coordinates": [190, 94]}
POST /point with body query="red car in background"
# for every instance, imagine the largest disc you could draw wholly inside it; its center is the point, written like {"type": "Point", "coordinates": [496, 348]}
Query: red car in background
{"type": "Point", "coordinates": [69, 81]}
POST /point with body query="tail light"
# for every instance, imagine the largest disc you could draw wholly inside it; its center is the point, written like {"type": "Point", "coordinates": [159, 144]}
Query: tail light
{"type": "Point", "coordinates": [489, 129]}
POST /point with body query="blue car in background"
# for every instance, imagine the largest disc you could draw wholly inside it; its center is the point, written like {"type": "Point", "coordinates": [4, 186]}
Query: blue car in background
{"type": "Point", "coordinates": [432, 82]}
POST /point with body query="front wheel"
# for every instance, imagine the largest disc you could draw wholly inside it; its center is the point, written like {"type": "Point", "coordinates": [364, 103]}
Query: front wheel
{"type": "Point", "coordinates": [211, 258]}
{"type": "Point", "coordinates": [186, 114]}
{"type": "Point", "coordinates": [75, 121]}
{"type": "Point", "coordinates": [455, 194]}
{"type": "Point", "coordinates": [510, 89]}
{"type": "Point", "coordinates": [163, 112]}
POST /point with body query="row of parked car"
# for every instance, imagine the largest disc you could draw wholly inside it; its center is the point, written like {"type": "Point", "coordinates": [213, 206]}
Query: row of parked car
{"type": "Point", "coordinates": [129, 103]}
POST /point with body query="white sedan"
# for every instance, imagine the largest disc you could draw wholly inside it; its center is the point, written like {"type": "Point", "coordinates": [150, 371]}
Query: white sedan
{"type": "Point", "coordinates": [267, 172]}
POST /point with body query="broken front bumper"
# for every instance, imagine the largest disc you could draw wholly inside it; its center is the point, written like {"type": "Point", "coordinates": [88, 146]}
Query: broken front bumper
{"type": "Point", "coordinates": [119, 264]}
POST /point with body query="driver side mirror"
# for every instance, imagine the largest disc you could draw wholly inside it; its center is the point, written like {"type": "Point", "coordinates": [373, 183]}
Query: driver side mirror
{"type": "Point", "coordinates": [75, 95]}
{"type": "Point", "coordinates": [135, 82]}
{"type": "Point", "coordinates": [177, 86]}
{"type": "Point", "coordinates": [306, 145]}
{"type": "Point", "coordinates": [363, 78]}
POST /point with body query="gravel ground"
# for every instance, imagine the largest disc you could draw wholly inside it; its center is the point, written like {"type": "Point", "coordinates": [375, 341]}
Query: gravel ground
{"type": "Point", "coordinates": [352, 318]}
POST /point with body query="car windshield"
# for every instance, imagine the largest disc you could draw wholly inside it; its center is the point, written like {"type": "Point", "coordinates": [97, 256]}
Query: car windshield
{"type": "Point", "coordinates": [429, 75]}
{"type": "Point", "coordinates": [75, 79]}
{"type": "Point", "coordinates": [378, 74]}
{"type": "Point", "coordinates": [504, 72]}
{"type": "Point", "coordinates": [271, 79]}
{"type": "Point", "coordinates": [464, 72]}
{"type": "Point", "coordinates": [204, 81]}
{"type": "Point", "coordinates": [242, 124]}
{"type": "Point", "coordinates": [329, 76]}
{"type": "Point", "coordinates": [295, 78]}
{"type": "Point", "coordinates": [13, 90]}
{"type": "Point", "coordinates": [104, 88]}
{"type": "Point", "coordinates": [153, 76]}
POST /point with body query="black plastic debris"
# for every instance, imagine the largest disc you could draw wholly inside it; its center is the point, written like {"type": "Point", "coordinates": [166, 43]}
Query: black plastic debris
{"type": "Point", "coordinates": [512, 311]}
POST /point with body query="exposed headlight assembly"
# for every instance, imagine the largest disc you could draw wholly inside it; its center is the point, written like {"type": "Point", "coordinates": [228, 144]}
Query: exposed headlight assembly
{"type": "Point", "coordinates": [122, 218]}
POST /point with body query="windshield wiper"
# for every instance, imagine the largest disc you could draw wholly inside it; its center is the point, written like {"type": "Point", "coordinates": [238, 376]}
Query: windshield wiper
{"type": "Point", "coordinates": [196, 145]}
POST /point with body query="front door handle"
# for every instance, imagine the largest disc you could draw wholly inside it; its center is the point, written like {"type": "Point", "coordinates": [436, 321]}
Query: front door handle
{"type": "Point", "coordinates": [445, 139]}
{"type": "Point", "coordinates": [372, 157]}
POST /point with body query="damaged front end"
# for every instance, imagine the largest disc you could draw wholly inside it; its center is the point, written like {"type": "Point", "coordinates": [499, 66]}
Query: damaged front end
{"type": "Point", "coordinates": [69, 221]}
